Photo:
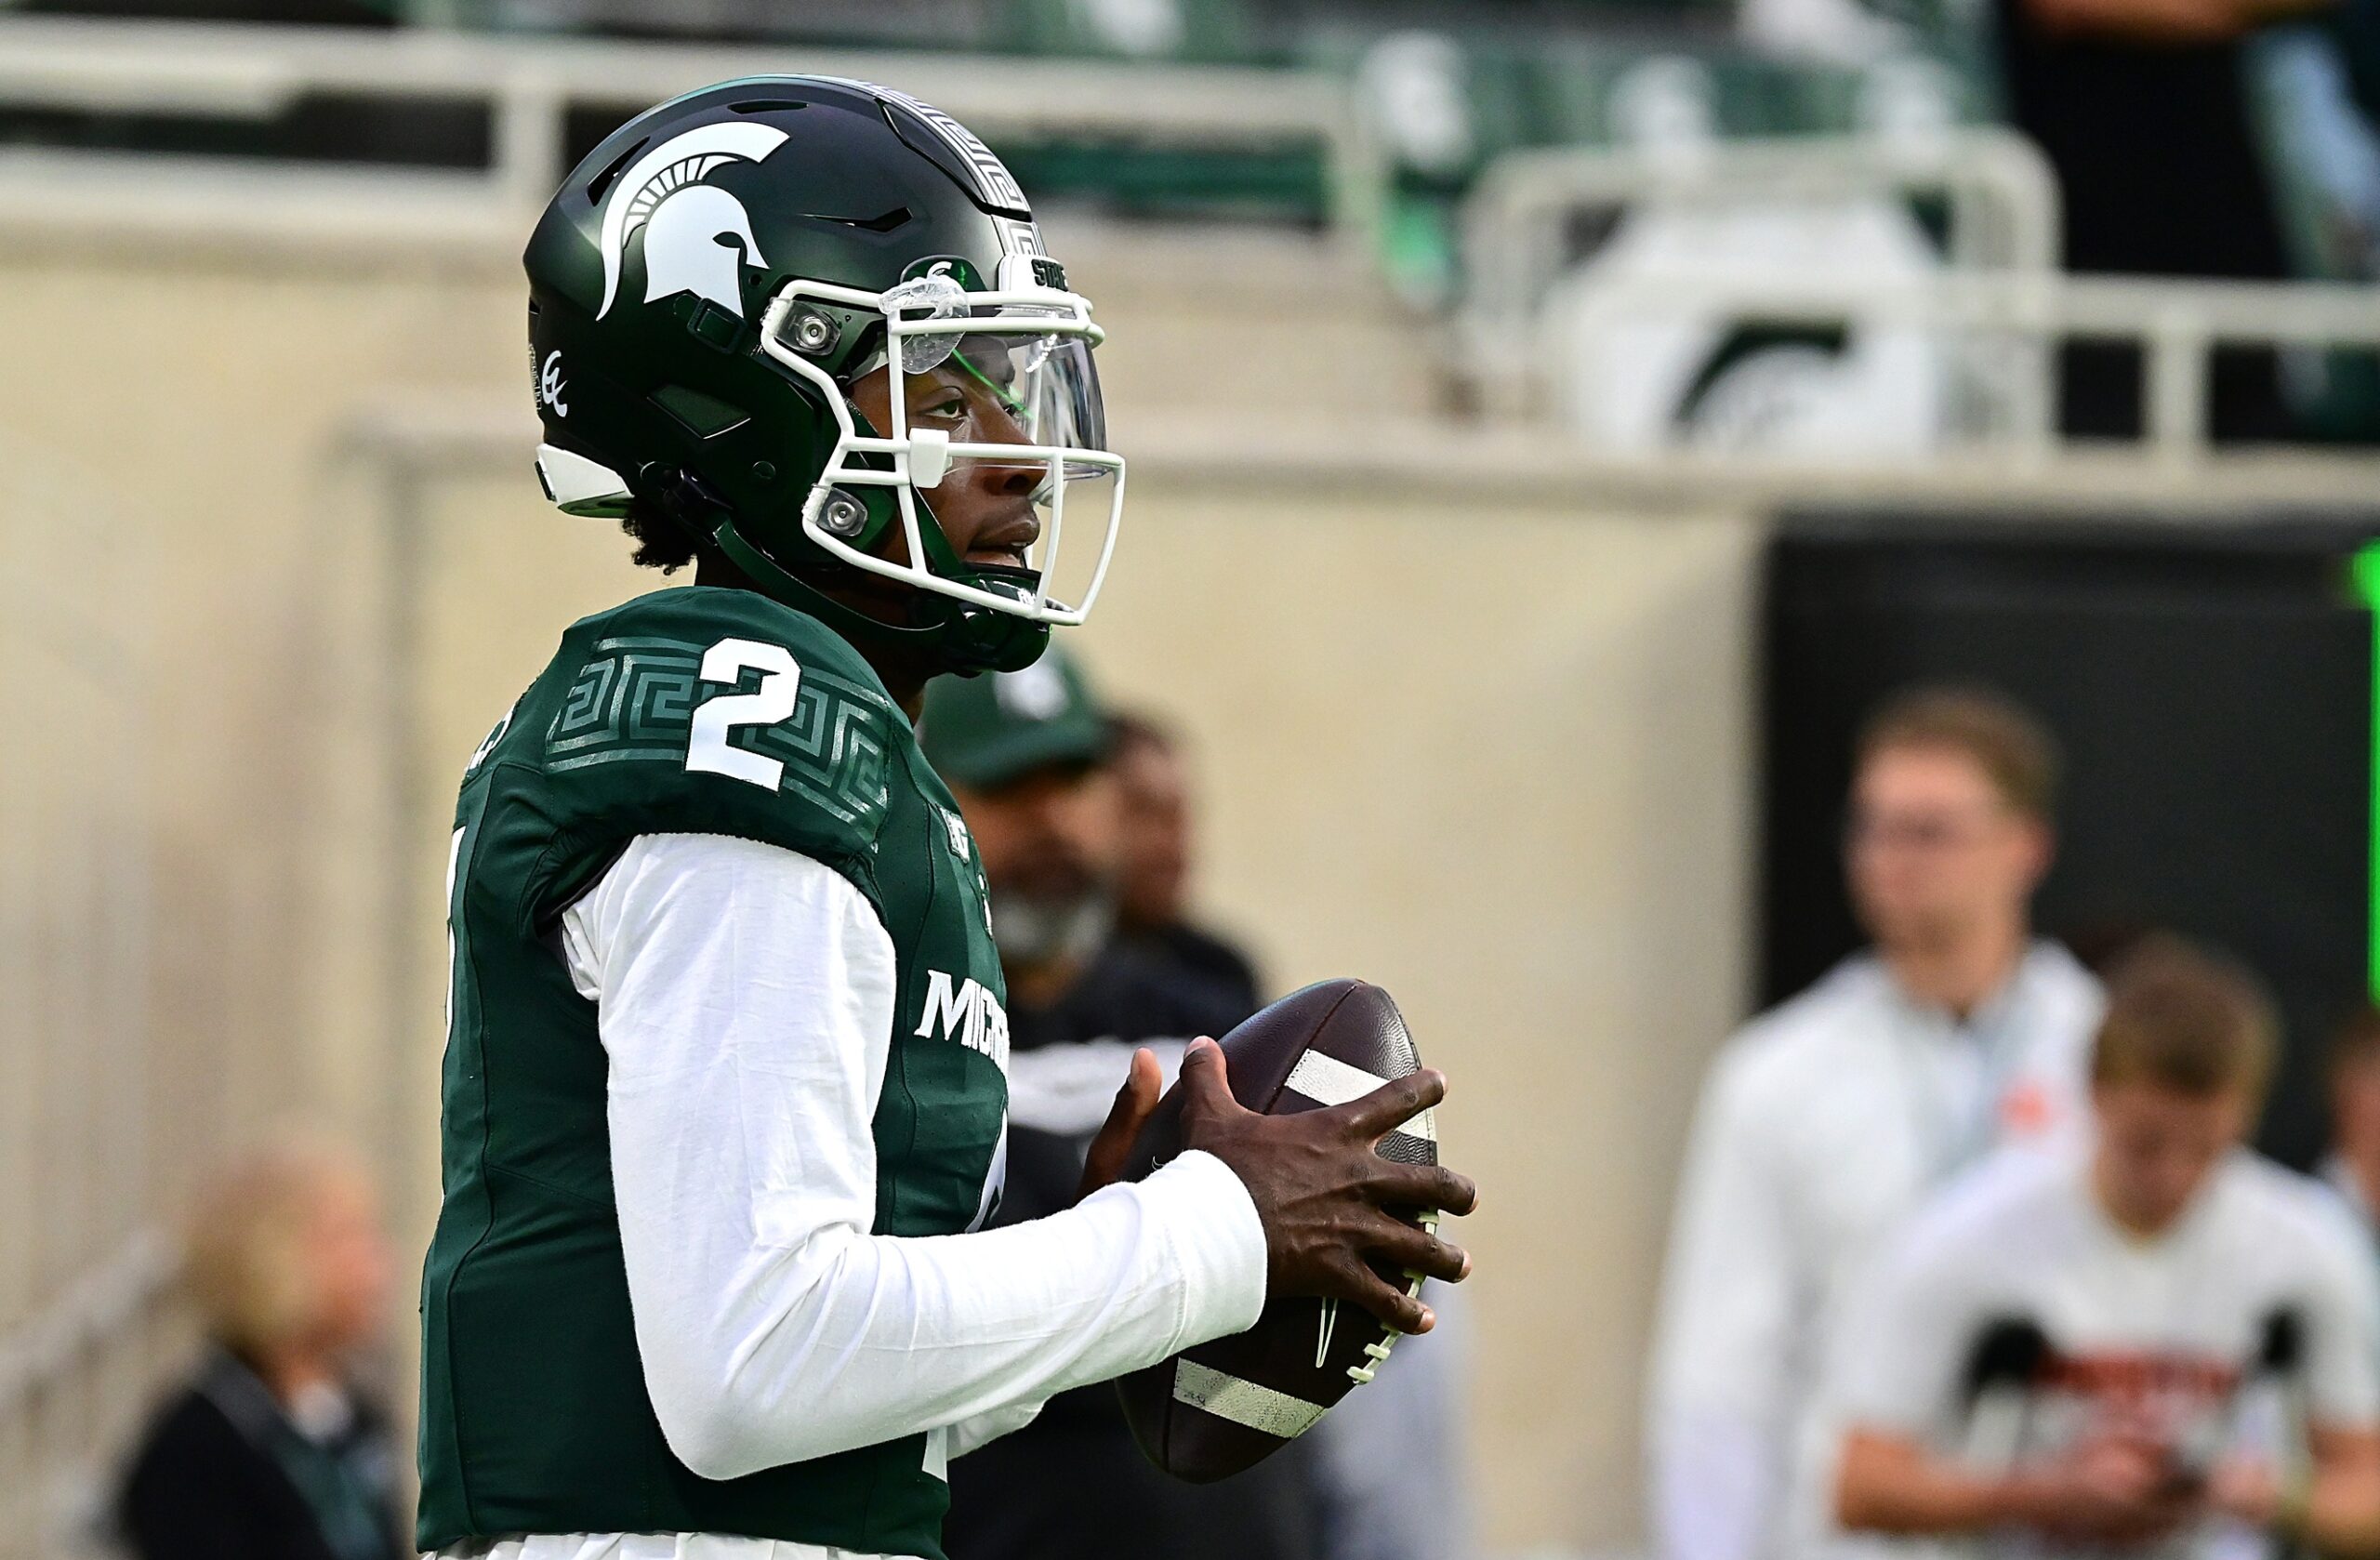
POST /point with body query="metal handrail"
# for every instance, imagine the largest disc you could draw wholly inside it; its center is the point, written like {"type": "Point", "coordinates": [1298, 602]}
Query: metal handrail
{"type": "Point", "coordinates": [2000, 284]}
{"type": "Point", "coordinates": [530, 82]}
{"type": "Point", "coordinates": [2176, 322]}
{"type": "Point", "coordinates": [97, 1305]}
{"type": "Point", "coordinates": [2001, 193]}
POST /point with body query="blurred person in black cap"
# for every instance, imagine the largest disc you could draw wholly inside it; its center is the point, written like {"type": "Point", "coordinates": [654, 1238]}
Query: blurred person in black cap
{"type": "Point", "coordinates": [273, 1451]}
{"type": "Point", "coordinates": [1157, 844]}
{"type": "Point", "coordinates": [1027, 754]}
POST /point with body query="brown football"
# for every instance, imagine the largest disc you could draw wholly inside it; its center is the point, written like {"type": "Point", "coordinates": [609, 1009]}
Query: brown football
{"type": "Point", "coordinates": [1212, 1410]}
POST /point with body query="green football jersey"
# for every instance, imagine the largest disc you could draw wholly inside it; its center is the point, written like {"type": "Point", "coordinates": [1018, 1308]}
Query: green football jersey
{"type": "Point", "coordinates": [694, 710]}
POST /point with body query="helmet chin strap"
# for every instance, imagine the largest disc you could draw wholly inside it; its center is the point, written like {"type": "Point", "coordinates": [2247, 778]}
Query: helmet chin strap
{"type": "Point", "coordinates": [957, 638]}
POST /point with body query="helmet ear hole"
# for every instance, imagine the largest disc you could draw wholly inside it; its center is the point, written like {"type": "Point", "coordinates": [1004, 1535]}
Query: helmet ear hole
{"type": "Point", "coordinates": [705, 417]}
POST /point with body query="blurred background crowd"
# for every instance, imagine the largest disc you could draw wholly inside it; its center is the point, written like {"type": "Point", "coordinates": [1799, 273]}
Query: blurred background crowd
{"type": "Point", "coordinates": [1795, 580]}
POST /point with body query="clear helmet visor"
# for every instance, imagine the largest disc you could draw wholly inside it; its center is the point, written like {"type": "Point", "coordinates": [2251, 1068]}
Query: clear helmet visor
{"type": "Point", "coordinates": [1001, 383]}
{"type": "Point", "coordinates": [982, 414]}
{"type": "Point", "coordinates": [1027, 459]}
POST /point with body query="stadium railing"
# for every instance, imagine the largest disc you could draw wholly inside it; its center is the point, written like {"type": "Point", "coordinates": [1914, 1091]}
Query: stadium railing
{"type": "Point", "coordinates": [1998, 291]}
{"type": "Point", "coordinates": [2176, 323]}
{"type": "Point", "coordinates": [1998, 193]}
{"type": "Point", "coordinates": [74, 1376]}
{"type": "Point", "coordinates": [530, 86]}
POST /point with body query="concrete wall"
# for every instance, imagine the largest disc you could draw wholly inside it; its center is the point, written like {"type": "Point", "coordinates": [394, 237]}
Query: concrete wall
{"type": "Point", "coordinates": [188, 684]}
{"type": "Point", "coordinates": [1490, 754]}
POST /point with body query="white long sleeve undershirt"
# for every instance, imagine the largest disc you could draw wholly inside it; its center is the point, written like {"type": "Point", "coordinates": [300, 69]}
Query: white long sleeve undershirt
{"type": "Point", "coordinates": [746, 998]}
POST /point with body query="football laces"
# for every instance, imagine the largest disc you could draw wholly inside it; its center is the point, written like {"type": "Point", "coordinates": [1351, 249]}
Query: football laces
{"type": "Point", "coordinates": [1377, 1351]}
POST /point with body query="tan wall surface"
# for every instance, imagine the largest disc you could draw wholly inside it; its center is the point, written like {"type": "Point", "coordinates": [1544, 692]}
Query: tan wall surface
{"type": "Point", "coordinates": [1493, 757]}
{"type": "Point", "coordinates": [189, 413]}
{"type": "Point", "coordinates": [204, 409]}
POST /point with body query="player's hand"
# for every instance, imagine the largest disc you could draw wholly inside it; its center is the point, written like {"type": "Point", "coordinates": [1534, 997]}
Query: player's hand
{"type": "Point", "coordinates": [2115, 1490]}
{"type": "Point", "coordinates": [1323, 1195]}
{"type": "Point", "coordinates": [1135, 1103]}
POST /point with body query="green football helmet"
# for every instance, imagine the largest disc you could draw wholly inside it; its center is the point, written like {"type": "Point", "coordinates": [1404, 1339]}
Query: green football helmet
{"type": "Point", "coordinates": [710, 286]}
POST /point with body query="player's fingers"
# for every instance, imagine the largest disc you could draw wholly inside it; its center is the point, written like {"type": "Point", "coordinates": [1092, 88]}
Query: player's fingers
{"type": "Point", "coordinates": [1396, 1185]}
{"type": "Point", "coordinates": [1206, 1084]}
{"type": "Point", "coordinates": [1410, 1248]}
{"type": "Point", "coordinates": [1358, 1284]}
{"type": "Point", "coordinates": [1135, 1103]}
{"type": "Point", "coordinates": [1392, 1104]}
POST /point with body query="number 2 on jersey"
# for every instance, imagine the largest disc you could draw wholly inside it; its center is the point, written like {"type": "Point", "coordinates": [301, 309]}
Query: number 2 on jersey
{"type": "Point", "coordinates": [727, 662]}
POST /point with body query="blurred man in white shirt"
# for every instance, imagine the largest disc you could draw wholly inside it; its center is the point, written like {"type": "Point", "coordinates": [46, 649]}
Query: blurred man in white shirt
{"type": "Point", "coordinates": [2153, 1341]}
{"type": "Point", "coordinates": [1827, 1120]}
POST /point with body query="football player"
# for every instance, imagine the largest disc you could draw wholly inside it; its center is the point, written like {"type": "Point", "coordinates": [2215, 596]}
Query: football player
{"type": "Point", "coordinates": [724, 1080]}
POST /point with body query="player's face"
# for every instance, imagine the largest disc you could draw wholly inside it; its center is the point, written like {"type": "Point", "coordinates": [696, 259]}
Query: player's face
{"type": "Point", "coordinates": [985, 507]}
{"type": "Point", "coordinates": [1932, 854]}
{"type": "Point", "coordinates": [2158, 1146]}
{"type": "Point", "coordinates": [1154, 805]}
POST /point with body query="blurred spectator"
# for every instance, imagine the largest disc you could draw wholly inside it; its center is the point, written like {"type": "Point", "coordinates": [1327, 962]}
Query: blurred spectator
{"type": "Point", "coordinates": [2312, 92]}
{"type": "Point", "coordinates": [2141, 106]}
{"type": "Point", "coordinates": [2353, 1168]}
{"type": "Point", "coordinates": [2155, 1339]}
{"type": "Point", "coordinates": [273, 1452]}
{"type": "Point", "coordinates": [1827, 1120]}
{"type": "Point", "coordinates": [1157, 845]}
{"type": "Point", "coordinates": [1026, 754]}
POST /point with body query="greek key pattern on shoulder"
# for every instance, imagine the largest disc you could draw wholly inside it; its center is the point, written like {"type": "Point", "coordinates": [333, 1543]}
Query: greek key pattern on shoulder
{"type": "Point", "coordinates": [635, 701]}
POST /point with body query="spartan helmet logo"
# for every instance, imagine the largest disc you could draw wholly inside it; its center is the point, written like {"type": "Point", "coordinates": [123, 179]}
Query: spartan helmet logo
{"type": "Point", "coordinates": [696, 235]}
